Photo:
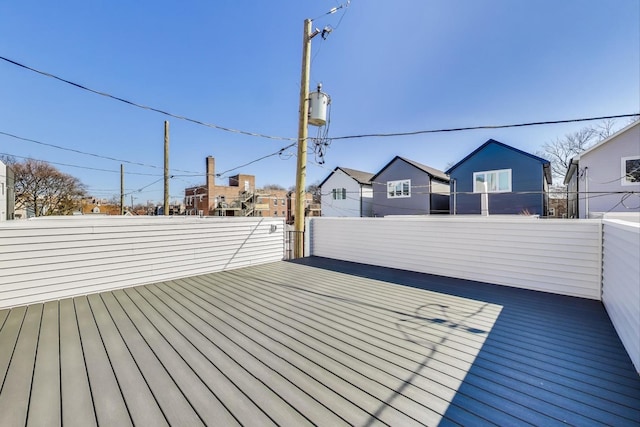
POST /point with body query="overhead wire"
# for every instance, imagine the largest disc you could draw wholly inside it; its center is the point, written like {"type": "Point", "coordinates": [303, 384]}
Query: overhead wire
{"type": "Point", "coordinates": [78, 166]}
{"type": "Point", "coordinates": [87, 153]}
{"type": "Point", "coordinates": [481, 127]}
{"type": "Point", "coordinates": [146, 107]}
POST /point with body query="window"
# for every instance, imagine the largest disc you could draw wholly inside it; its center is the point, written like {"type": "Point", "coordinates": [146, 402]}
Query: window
{"type": "Point", "coordinates": [275, 213]}
{"type": "Point", "coordinates": [396, 189]}
{"type": "Point", "coordinates": [498, 181]}
{"type": "Point", "coordinates": [339, 193]}
{"type": "Point", "coordinates": [630, 170]}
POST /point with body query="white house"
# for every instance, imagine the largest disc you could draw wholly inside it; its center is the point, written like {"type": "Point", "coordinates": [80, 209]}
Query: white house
{"type": "Point", "coordinates": [606, 177]}
{"type": "Point", "coordinates": [347, 192]}
{"type": "Point", "coordinates": [6, 192]}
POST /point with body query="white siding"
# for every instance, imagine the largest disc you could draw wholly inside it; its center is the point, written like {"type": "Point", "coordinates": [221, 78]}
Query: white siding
{"type": "Point", "coordinates": [558, 256]}
{"type": "Point", "coordinates": [3, 191]}
{"type": "Point", "coordinates": [621, 282]}
{"type": "Point", "coordinates": [55, 258]}
{"type": "Point", "coordinates": [349, 207]}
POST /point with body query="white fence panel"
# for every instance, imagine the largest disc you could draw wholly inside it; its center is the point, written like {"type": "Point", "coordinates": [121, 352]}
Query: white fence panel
{"type": "Point", "coordinates": [558, 256]}
{"type": "Point", "coordinates": [621, 282]}
{"type": "Point", "coordinates": [47, 259]}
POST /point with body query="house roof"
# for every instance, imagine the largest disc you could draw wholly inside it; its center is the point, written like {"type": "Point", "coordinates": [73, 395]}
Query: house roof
{"type": "Point", "coordinates": [362, 178]}
{"type": "Point", "coordinates": [573, 164]}
{"type": "Point", "coordinates": [435, 173]}
{"type": "Point", "coordinates": [545, 163]}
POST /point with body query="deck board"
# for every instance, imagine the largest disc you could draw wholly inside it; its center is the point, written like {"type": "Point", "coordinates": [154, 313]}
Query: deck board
{"type": "Point", "coordinates": [315, 342]}
{"type": "Point", "coordinates": [77, 403]}
{"type": "Point", "coordinates": [110, 407]}
{"type": "Point", "coordinates": [16, 390]}
{"type": "Point", "coordinates": [44, 409]}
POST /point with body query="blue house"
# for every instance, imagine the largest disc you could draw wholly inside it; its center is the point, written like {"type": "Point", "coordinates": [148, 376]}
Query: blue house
{"type": "Point", "coordinates": [516, 182]}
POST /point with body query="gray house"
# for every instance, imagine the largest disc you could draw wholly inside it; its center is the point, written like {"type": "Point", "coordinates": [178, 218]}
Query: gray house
{"type": "Point", "coordinates": [406, 187]}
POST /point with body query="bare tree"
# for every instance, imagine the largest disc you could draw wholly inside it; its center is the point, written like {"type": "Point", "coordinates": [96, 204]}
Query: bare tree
{"type": "Point", "coordinates": [562, 150]}
{"type": "Point", "coordinates": [314, 189]}
{"type": "Point", "coordinates": [45, 189]}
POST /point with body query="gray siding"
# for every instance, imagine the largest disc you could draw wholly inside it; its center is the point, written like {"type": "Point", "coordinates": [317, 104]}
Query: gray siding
{"type": "Point", "coordinates": [621, 282]}
{"type": "Point", "coordinates": [558, 256]}
{"type": "Point", "coordinates": [417, 204]}
{"type": "Point", "coordinates": [49, 259]}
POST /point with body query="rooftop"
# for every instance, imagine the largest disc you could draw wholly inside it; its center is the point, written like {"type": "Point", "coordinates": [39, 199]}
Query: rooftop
{"type": "Point", "coordinates": [315, 341]}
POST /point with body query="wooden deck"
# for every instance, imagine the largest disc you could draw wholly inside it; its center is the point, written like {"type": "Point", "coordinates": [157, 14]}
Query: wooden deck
{"type": "Point", "coordinates": [318, 342]}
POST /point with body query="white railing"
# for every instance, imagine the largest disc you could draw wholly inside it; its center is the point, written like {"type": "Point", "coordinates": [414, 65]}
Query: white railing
{"type": "Point", "coordinates": [621, 282]}
{"type": "Point", "coordinates": [53, 258]}
{"type": "Point", "coordinates": [558, 256]}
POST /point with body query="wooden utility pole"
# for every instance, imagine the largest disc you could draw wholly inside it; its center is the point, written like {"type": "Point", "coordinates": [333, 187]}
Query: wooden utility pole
{"type": "Point", "coordinates": [121, 189]}
{"type": "Point", "coordinates": [166, 168]}
{"type": "Point", "coordinates": [303, 123]}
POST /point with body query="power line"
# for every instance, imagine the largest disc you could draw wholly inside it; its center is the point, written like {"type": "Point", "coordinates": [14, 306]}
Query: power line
{"type": "Point", "coordinates": [79, 167]}
{"type": "Point", "coordinates": [280, 151]}
{"type": "Point", "coordinates": [420, 132]}
{"type": "Point", "coordinates": [146, 107]}
{"type": "Point", "coordinates": [86, 153]}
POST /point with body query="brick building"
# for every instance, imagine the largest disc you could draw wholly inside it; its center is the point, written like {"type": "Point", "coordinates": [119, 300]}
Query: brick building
{"type": "Point", "coordinates": [241, 198]}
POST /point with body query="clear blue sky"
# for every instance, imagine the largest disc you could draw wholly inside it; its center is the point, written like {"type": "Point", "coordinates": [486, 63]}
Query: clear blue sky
{"type": "Point", "coordinates": [389, 66]}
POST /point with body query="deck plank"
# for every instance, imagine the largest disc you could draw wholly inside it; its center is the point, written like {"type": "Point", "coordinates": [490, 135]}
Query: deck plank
{"type": "Point", "coordinates": [77, 404]}
{"type": "Point", "coordinates": [250, 400]}
{"type": "Point", "coordinates": [300, 369]}
{"type": "Point", "coordinates": [174, 404]}
{"type": "Point", "coordinates": [14, 399]}
{"type": "Point", "coordinates": [44, 409]}
{"type": "Point", "coordinates": [141, 404]}
{"type": "Point", "coordinates": [110, 407]}
{"type": "Point", "coordinates": [4, 313]}
{"type": "Point", "coordinates": [192, 372]}
{"type": "Point", "coordinates": [320, 348]}
{"type": "Point", "coordinates": [8, 339]}
{"type": "Point", "coordinates": [315, 341]}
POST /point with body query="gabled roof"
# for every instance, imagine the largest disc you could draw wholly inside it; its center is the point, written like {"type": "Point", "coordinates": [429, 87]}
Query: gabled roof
{"type": "Point", "coordinates": [362, 178]}
{"type": "Point", "coordinates": [609, 138]}
{"type": "Point", "coordinates": [435, 173]}
{"type": "Point", "coordinates": [545, 163]}
{"type": "Point", "coordinates": [573, 164]}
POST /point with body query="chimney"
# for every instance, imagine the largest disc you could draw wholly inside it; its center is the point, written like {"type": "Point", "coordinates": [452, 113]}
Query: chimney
{"type": "Point", "coordinates": [211, 174]}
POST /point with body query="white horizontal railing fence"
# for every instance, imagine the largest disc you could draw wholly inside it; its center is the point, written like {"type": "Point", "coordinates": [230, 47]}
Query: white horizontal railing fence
{"type": "Point", "coordinates": [558, 256]}
{"type": "Point", "coordinates": [47, 259]}
{"type": "Point", "coordinates": [621, 282]}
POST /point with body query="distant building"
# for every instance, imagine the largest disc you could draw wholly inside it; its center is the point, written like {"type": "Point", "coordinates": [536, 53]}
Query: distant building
{"type": "Point", "coordinates": [347, 192]}
{"type": "Point", "coordinates": [406, 187]}
{"type": "Point", "coordinates": [606, 177]}
{"type": "Point", "coordinates": [7, 193]}
{"type": "Point", "coordinates": [241, 198]}
{"type": "Point", "coordinates": [516, 182]}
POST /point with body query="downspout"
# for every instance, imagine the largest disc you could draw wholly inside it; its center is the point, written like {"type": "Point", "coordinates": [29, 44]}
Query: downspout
{"type": "Point", "coordinates": [586, 192]}
{"type": "Point", "coordinates": [455, 196]}
{"type": "Point", "coordinates": [360, 200]}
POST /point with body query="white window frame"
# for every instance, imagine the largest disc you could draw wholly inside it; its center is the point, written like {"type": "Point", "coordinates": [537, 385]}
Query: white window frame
{"type": "Point", "coordinates": [497, 173]}
{"type": "Point", "coordinates": [339, 193]}
{"type": "Point", "coordinates": [623, 170]}
{"type": "Point", "coordinates": [401, 189]}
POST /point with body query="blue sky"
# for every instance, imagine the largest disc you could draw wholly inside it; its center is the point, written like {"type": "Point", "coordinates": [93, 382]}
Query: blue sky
{"type": "Point", "coordinates": [388, 66]}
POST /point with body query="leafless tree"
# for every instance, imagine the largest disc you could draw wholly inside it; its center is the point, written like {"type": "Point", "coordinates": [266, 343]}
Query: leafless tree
{"type": "Point", "coordinates": [314, 189]}
{"type": "Point", "coordinates": [560, 151]}
{"type": "Point", "coordinates": [45, 189]}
